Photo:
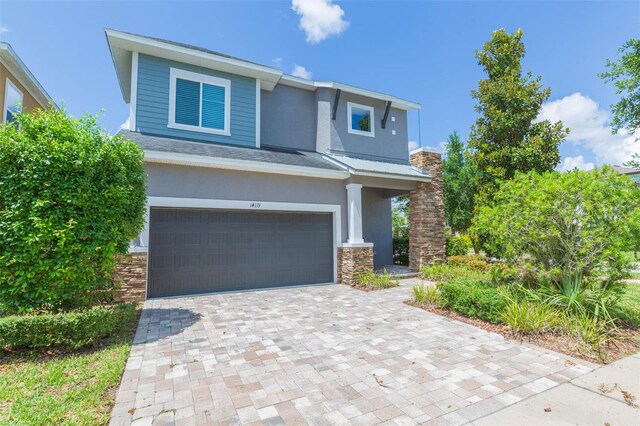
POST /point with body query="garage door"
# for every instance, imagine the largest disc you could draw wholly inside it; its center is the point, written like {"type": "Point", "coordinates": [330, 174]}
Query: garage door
{"type": "Point", "coordinates": [195, 251]}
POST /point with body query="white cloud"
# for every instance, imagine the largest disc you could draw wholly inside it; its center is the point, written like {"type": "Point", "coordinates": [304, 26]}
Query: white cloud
{"type": "Point", "coordinates": [319, 18]}
{"type": "Point", "coordinates": [300, 71]}
{"type": "Point", "coordinates": [413, 145]}
{"type": "Point", "coordinates": [277, 62]}
{"type": "Point", "coordinates": [4, 29]}
{"type": "Point", "coordinates": [590, 129]}
{"type": "Point", "coordinates": [570, 163]}
{"type": "Point", "coordinates": [126, 125]}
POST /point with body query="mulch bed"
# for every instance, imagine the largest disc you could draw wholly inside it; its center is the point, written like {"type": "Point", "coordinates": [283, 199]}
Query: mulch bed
{"type": "Point", "coordinates": [625, 342]}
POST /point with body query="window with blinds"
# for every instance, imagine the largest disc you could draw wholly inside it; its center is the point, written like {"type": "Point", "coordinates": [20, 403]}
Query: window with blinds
{"type": "Point", "coordinates": [199, 102]}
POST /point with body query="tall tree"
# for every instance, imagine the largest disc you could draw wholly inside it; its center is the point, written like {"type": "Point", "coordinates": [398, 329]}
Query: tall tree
{"type": "Point", "coordinates": [458, 176]}
{"type": "Point", "coordinates": [625, 75]}
{"type": "Point", "coordinates": [506, 137]}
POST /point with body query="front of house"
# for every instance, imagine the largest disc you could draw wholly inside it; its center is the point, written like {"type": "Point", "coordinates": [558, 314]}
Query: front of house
{"type": "Point", "coordinates": [258, 179]}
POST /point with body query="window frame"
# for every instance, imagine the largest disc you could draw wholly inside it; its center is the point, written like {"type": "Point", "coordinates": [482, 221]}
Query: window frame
{"type": "Point", "coordinates": [372, 121]}
{"type": "Point", "coordinates": [6, 95]}
{"type": "Point", "coordinates": [174, 75]}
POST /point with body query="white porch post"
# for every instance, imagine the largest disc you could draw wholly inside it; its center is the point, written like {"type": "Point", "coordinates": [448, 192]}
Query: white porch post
{"type": "Point", "coordinates": [354, 203]}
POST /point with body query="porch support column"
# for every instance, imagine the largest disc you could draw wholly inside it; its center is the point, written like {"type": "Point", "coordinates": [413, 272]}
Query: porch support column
{"type": "Point", "coordinates": [354, 203]}
{"type": "Point", "coordinates": [354, 256]}
{"type": "Point", "coordinates": [426, 218]}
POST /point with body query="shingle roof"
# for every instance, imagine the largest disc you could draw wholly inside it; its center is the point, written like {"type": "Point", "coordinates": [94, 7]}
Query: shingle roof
{"type": "Point", "coordinates": [191, 46]}
{"type": "Point", "coordinates": [626, 170]}
{"type": "Point", "coordinates": [264, 154]}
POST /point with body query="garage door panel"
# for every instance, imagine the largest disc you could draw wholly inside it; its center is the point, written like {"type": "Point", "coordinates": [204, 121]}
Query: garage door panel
{"type": "Point", "coordinates": [198, 251]}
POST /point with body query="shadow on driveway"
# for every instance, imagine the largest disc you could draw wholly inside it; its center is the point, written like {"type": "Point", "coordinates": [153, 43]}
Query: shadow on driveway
{"type": "Point", "coordinates": [157, 323]}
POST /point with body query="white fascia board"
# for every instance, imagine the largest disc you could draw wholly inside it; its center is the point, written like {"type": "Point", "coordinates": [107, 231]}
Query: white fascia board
{"type": "Point", "coordinates": [392, 176]}
{"type": "Point", "coordinates": [302, 83]}
{"type": "Point", "coordinates": [120, 41]}
{"type": "Point", "coordinates": [18, 70]}
{"type": "Point", "coordinates": [245, 165]}
{"type": "Point", "coordinates": [355, 172]}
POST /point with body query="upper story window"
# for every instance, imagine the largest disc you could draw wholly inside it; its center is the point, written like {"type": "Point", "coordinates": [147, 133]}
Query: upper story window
{"type": "Point", "coordinates": [12, 102]}
{"type": "Point", "coordinates": [199, 102]}
{"type": "Point", "coordinates": [360, 119]}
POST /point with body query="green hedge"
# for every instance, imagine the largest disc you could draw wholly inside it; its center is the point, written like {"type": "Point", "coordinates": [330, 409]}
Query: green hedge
{"type": "Point", "coordinates": [475, 299]}
{"type": "Point", "coordinates": [457, 245]}
{"type": "Point", "coordinates": [71, 329]}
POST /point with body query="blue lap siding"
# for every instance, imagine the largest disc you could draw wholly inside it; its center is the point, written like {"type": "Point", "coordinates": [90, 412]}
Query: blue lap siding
{"type": "Point", "coordinates": [152, 110]}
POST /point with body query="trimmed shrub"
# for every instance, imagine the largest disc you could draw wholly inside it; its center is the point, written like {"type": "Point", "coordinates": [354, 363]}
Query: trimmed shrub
{"type": "Point", "coordinates": [476, 262]}
{"type": "Point", "coordinates": [445, 271]}
{"type": "Point", "coordinates": [475, 299]}
{"type": "Point", "coordinates": [371, 280]}
{"type": "Point", "coordinates": [457, 245]}
{"type": "Point", "coordinates": [70, 329]}
{"type": "Point", "coordinates": [71, 198]}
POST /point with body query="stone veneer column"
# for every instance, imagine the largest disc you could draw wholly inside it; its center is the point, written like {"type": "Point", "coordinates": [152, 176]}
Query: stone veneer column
{"type": "Point", "coordinates": [130, 278]}
{"type": "Point", "coordinates": [352, 261]}
{"type": "Point", "coordinates": [426, 219]}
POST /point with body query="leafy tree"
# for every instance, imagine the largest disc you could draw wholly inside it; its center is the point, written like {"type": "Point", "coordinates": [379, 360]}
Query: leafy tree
{"type": "Point", "coordinates": [458, 176]}
{"type": "Point", "coordinates": [506, 138]}
{"type": "Point", "coordinates": [400, 217]}
{"type": "Point", "coordinates": [575, 224]}
{"type": "Point", "coordinates": [71, 198]}
{"type": "Point", "coordinates": [625, 75]}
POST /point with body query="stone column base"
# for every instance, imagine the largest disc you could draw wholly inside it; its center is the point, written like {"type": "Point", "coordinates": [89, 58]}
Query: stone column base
{"type": "Point", "coordinates": [130, 278]}
{"type": "Point", "coordinates": [352, 261]}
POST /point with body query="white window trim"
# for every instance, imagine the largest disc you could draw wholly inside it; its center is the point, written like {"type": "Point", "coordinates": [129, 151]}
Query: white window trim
{"type": "Point", "coordinates": [176, 73]}
{"type": "Point", "coordinates": [350, 129]}
{"type": "Point", "coordinates": [6, 95]}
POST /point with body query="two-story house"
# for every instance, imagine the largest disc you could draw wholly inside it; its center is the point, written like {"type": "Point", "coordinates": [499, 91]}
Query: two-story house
{"type": "Point", "coordinates": [19, 89]}
{"type": "Point", "coordinates": [259, 179]}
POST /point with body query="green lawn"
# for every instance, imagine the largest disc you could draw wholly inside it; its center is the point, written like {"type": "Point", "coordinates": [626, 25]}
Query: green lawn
{"type": "Point", "coordinates": [68, 389]}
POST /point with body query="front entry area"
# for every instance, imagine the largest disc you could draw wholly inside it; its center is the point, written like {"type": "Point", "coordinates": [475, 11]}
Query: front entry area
{"type": "Point", "coordinates": [193, 251]}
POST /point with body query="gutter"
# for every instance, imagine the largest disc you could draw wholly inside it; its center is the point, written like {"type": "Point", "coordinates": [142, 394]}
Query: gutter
{"type": "Point", "coordinates": [244, 165]}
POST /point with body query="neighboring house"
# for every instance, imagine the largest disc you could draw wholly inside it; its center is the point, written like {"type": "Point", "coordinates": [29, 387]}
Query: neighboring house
{"type": "Point", "coordinates": [19, 89]}
{"type": "Point", "coordinates": [260, 179]}
{"type": "Point", "coordinates": [634, 174]}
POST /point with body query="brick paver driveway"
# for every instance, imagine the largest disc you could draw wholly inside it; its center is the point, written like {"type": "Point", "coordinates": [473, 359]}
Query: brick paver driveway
{"type": "Point", "coordinates": [322, 355]}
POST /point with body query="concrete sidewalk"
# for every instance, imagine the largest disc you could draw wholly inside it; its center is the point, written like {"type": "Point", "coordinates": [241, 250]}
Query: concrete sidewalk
{"type": "Point", "coordinates": [609, 395]}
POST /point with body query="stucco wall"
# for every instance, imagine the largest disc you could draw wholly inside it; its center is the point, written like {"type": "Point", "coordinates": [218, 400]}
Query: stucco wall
{"type": "Point", "coordinates": [288, 118]}
{"type": "Point", "coordinates": [385, 145]}
{"type": "Point", "coordinates": [199, 182]}
{"type": "Point", "coordinates": [28, 102]}
{"type": "Point", "coordinates": [376, 225]}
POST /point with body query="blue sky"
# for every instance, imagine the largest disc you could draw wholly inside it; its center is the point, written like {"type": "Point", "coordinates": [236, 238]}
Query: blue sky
{"type": "Point", "coordinates": [418, 50]}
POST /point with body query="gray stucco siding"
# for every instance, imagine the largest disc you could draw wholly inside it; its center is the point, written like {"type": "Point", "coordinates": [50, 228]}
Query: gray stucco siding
{"type": "Point", "coordinates": [376, 225]}
{"type": "Point", "coordinates": [288, 118]}
{"type": "Point", "coordinates": [152, 108]}
{"type": "Point", "coordinates": [384, 145]}
{"type": "Point", "coordinates": [166, 180]}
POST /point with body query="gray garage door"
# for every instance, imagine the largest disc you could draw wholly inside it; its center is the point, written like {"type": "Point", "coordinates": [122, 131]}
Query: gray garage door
{"type": "Point", "coordinates": [195, 251]}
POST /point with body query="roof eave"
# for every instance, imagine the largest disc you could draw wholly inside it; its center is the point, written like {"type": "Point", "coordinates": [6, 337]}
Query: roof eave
{"type": "Point", "coordinates": [303, 83]}
{"type": "Point", "coordinates": [19, 70]}
{"type": "Point", "coordinates": [121, 44]}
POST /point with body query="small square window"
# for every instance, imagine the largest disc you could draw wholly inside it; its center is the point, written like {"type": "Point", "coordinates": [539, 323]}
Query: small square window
{"type": "Point", "coordinates": [361, 119]}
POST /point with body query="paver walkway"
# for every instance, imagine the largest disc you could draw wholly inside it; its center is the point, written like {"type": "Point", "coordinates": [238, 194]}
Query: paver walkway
{"type": "Point", "coordinates": [323, 355]}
